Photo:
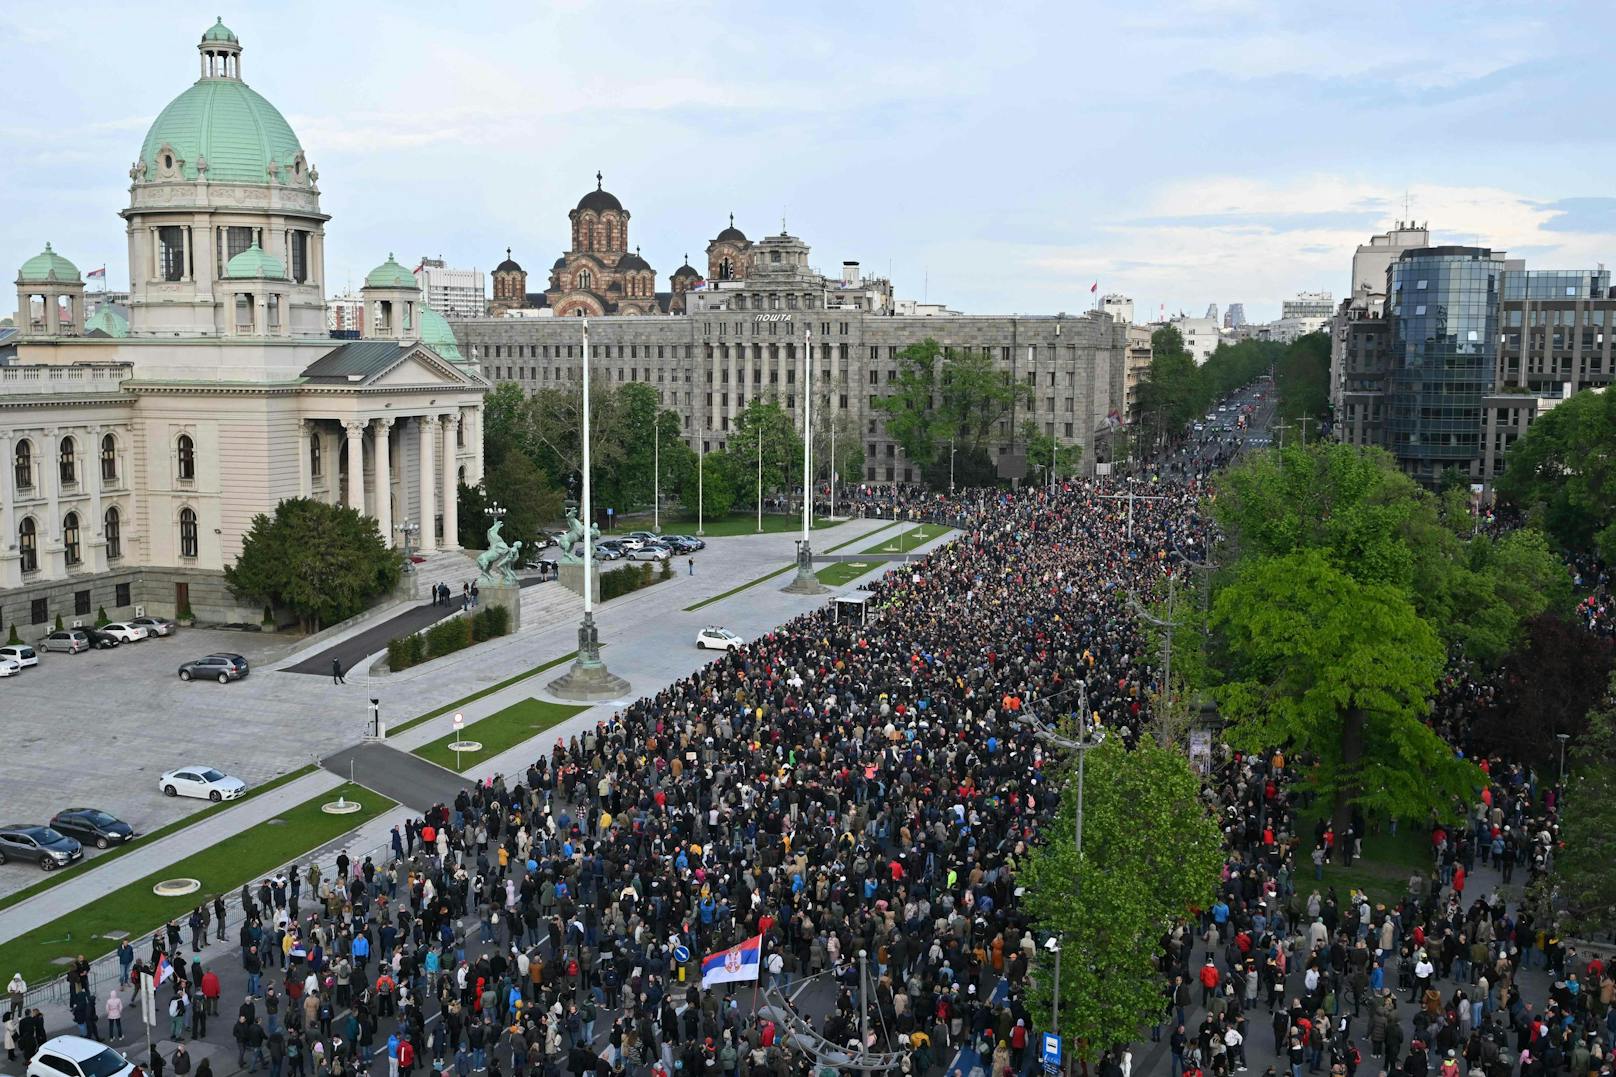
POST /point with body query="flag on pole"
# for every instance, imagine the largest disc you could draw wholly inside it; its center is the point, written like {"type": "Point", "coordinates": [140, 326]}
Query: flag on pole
{"type": "Point", "coordinates": [1095, 287]}
{"type": "Point", "coordinates": [96, 274]}
{"type": "Point", "coordinates": [734, 965]}
{"type": "Point", "coordinates": [162, 970]}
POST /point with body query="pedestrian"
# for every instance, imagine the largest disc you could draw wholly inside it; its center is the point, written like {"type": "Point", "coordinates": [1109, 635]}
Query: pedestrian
{"type": "Point", "coordinates": [336, 672]}
{"type": "Point", "coordinates": [17, 990]}
{"type": "Point", "coordinates": [157, 1065]}
{"type": "Point", "coordinates": [474, 595]}
{"type": "Point", "coordinates": [465, 596]}
{"type": "Point", "coordinates": [691, 562]}
{"type": "Point", "coordinates": [181, 1061]}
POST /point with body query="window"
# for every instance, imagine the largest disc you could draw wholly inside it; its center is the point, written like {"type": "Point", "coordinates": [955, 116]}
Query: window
{"type": "Point", "coordinates": [25, 465]}
{"type": "Point", "coordinates": [235, 240]}
{"type": "Point", "coordinates": [37, 613]}
{"type": "Point", "coordinates": [188, 535]}
{"type": "Point", "coordinates": [109, 459]}
{"type": "Point", "coordinates": [314, 455]}
{"type": "Point", "coordinates": [67, 463]}
{"type": "Point", "coordinates": [28, 545]}
{"type": "Point", "coordinates": [112, 528]}
{"type": "Point", "coordinates": [81, 603]}
{"type": "Point", "coordinates": [298, 244]}
{"type": "Point", "coordinates": [171, 252]}
{"type": "Point", "coordinates": [120, 595]}
{"type": "Point", "coordinates": [70, 538]}
{"type": "Point", "coordinates": [185, 453]}
{"type": "Point", "coordinates": [585, 280]}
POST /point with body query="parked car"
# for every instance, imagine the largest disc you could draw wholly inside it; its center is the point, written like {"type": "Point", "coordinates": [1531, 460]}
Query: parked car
{"type": "Point", "coordinates": [48, 848]}
{"type": "Point", "coordinates": [204, 782]}
{"type": "Point", "coordinates": [92, 825]}
{"type": "Point", "coordinates": [101, 640]}
{"type": "Point", "coordinates": [20, 653]}
{"type": "Point", "coordinates": [71, 640]}
{"type": "Point", "coordinates": [713, 638]}
{"type": "Point", "coordinates": [651, 551]}
{"type": "Point", "coordinates": [629, 543]}
{"type": "Point", "coordinates": [10, 667]}
{"type": "Point", "coordinates": [156, 626]}
{"type": "Point", "coordinates": [75, 1056]}
{"type": "Point", "coordinates": [126, 631]}
{"type": "Point", "coordinates": [219, 667]}
{"type": "Point", "coordinates": [694, 542]}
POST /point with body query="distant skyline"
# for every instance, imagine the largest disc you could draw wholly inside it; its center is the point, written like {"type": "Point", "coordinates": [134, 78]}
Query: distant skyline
{"type": "Point", "coordinates": [996, 160]}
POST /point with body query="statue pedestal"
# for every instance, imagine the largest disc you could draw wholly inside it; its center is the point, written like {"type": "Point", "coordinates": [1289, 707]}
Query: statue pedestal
{"type": "Point", "coordinates": [588, 680]}
{"type": "Point", "coordinates": [572, 578]}
{"type": "Point", "coordinates": [805, 582]}
{"type": "Point", "coordinates": [498, 593]}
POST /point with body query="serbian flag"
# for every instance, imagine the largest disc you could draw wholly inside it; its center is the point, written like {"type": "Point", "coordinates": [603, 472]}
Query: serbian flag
{"type": "Point", "coordinates": [96, 274]}
{"type": "Point", "coordinates": [162, 970]}
{"type": "Point", "coordinates": [733, 965]}
{"type": "Point", "coordinates": [1094, 287]}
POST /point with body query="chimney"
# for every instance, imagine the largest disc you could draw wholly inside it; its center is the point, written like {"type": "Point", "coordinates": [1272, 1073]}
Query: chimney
{"type": "Point", "coordinates": [850, 272]}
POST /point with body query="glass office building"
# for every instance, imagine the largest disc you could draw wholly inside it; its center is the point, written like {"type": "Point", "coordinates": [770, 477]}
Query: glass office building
{"type": "Point", "coordinates": [1443, 308]}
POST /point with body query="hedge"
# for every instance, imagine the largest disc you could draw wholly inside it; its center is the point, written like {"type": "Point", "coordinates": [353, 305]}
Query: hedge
{"type": "Point", "coordinates": [629, 578]}
{"type": "Point", "coordinates": [447, 636]}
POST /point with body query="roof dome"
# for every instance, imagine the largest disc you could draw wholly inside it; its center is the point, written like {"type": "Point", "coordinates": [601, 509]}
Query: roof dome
{"type": "Point", "coordinates": [220, 32]}
{"type": "Point", "coordinates": [507, 266]}
{"type": "Point", "coordinates": [47, 265]}
{"type": "Point", "coordinates": [686, 270]}
{"type": "Point", "coordinates": [731, 233]}
{"type": "Point", "coordinates": [633, 262]}
{"type": "Point", "coordinates": [436, 334]}
{"type": "Point", "coordinates": [599, 200]}
{"type": "Point", "coordinates": [390, 275]}
{"type": "Point", "coordinates": [255, 263]}
{"type": "Point", "coordinates": [222, 120]}
{"type": "Point", "coordinates": [108, 322]}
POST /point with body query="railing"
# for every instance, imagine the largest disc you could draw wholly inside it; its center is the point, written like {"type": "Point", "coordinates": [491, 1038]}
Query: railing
{"type": "Point", "coordinates": [77, 378]}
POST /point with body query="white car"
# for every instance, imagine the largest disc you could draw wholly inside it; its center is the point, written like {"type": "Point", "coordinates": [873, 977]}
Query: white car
{"type": "Point", "coordinates": [10, 667]}
{"type": "Point", "coordinates": [20, 653]}
{"type": "Point", "coordinates": [125, 632]}
{"type": "Point", "coordinates": [75, 1056]}
{"type": "Point", "coordinates": [713, 638]}
{"type": "Point", "coordinates": [201, 782]}
{"type": "Point", "coordinates": [155, 626]}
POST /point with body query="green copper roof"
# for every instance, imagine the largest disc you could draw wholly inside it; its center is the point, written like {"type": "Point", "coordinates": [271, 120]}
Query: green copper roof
{"type": "Point", "coordinates": [390, 275]}
{"type": "Point", "coordinates": [230, 124]}
{"type": "Point", "coordinates": [47, 265]}
{"type": "Point", "coordinates": [108, 322]}
{"type": "Point", "coordinates": [220, 32]}
{"type": "Point", "coordinates": [253, 263]}
{"type": "Point", "coordinates": [436, 334]}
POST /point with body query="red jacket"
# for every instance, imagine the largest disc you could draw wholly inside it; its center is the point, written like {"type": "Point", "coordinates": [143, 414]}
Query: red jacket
{"type": "Point", "coordinates": [1210, 976]}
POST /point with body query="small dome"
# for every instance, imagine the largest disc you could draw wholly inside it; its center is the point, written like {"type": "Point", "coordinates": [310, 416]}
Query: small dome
{"type": "Point", "coordinates": [47, 265]}
{"type": "Point", "coordinates": [220, 32]}
{"type": "Point", "coordinates": [108, 322]}
{"type": "Point", "coordinates": [507, 266]}
{"type": "Point", "coordinates": [632, 262]}
{"type": "Point", "coordinates": [436, 334]}
{"type": "Point", "coordinates": [686, 270]}
{"type": "Point", "coordinates": [731, 233]}
{"type": "Point", "coordinates": [613, 288]}
{"type": "Point", "coordinates": [254, 263]}
{"type": "Point", "coordinates": [390, 275]}
{"type": "Point", "coordinates": [560, 263]}
{"type": "Point", "coordinates": [599, 200]}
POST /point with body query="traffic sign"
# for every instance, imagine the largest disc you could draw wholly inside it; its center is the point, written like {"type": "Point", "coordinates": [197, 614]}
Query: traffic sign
{"type": "Point", "coordinates": [1052, 1051]}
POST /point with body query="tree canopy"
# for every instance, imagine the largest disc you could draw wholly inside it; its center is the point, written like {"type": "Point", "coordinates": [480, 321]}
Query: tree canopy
{"type": "Point", "coordinates": [324, 563]}
{"type": "Point", "coordinates": [947, 394]}
{"type": "Point", "coordinates": [1564, 468]}
{"type": "Point", "coordinates": [1582, 866]}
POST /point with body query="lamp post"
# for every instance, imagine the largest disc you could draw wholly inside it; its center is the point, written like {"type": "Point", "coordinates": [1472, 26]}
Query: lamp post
{"type": "Point", "coordinates": [1562, 738]}
{"type": "Point", "coordinates": [588, 678]}
{"type": "Point", "coordinates": [760, 479]}
{"type": "Point", "coordinates": [406, 529]}
{"type": "Point", "coordinates": [495, 511]}
{"type": "Point", "coordinates": [459, 723]}
{"type": "Point", "coordinates": [656, 474]}
{"type": "Point", "coordinates": [701, 492]}
{"type": "Point", "coordinates": [951, 452]}
{"type": "Point", "coordinates": [806, 583]}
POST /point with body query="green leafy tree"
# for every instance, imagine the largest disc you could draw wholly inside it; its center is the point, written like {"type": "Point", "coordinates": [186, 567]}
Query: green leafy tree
{"type": "Point", "coordinates": [763, 428]}
{"type": "Point", "coordinates": [715, 492]}
{"type": "Point", "coordinates": [910, 405]}
{"type": "Point", "coordinates": [1151, 853]}
{"type": "Point", "coordinates": [323, 563]}
{"type": "Point", "coordinates": [1068, 456]}
{"type": "Point", "coordinates": [849, 463]}
{"type": "Point", "coordinates": [1302, 378]}
{"type": "Point", "coordinates": [1582, 866]}
{"type": "Point", "coordinates": [1565, 467]}
{"type": "Point", "coordinates": [1169, 396]}
{"type": "Point", "coordinates": [507, 424]}
{"type": "Point", "coordinates": [976, 397]}
{"type": "Point", "coordinates": [471, 517]}
{"type": "Point", "coordinates": [1339, 670]}
{"type": "Point", "coordinates": [529, 501]}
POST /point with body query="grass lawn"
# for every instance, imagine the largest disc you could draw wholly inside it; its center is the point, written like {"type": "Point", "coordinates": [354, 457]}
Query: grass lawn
{"type": "Point", "coordinates": [1382, 872]}
{"type": "Point", "coordinates": [736, 523]}
{"type": "Point", "coordinates": [58, 877]}
{"type": "Point", "coordinates": [222, 868]}
{"type": "Point", "coordinates": [844, 572]}
{"type": "Point", "coordinates": [499, 732]}
{"type": "Point", "coordinates": [463, 700]}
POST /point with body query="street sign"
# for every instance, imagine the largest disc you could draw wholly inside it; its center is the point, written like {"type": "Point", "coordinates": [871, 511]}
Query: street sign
{"type": "Point", "coordinates": [1052, 1051]}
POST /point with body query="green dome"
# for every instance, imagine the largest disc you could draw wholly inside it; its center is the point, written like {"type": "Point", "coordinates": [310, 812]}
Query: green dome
{"type": "Point", "coordinates": [230, 124]}
{"type": "Point", "coordinates": [47, 265]}
{"type": "Point", "coordinates": [436, 334]}
{"type": "Point", "coordinates": [220, 32]}
{"type": "Point", "coordinates": [253, 263]}
{"type": "Point", "coordinates": [108, 322]}
{"type": "Point", "coordinates": [391, 275]}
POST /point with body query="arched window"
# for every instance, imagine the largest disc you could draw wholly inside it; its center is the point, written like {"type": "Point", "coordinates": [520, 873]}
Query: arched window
{"type": "Point", "coordinates": [585, 279]}
{"type": "Point", "coordinates": [185, 453]}
{"type": "Point", "coordinates": [314, 455]}
{"type": "Point", "coordinates": [110, 527]}
{"type": "Point", "coordinates": [27, 544]}
{"type": "Point", "coordinates": [109, 459]}
{"type": "Point", "coordinates": [70, 538]}
{"type": "Point", "coordinates": [68, 463]}
{"type": "Point", "coordinates": [25, 465]}
{"type": "Point", "coordinates": [726, 270]}
{"type": "Point", "coordinates": [188, 533]}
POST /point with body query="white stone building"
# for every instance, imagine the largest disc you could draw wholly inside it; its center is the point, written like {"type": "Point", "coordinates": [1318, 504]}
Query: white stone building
{"type": "Point", "coordinates": [136, 453]}
{"type": "Point", "coordinates": [454, 293]}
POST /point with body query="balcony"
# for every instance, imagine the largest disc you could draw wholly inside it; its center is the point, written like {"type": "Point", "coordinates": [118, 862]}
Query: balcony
{"type": "Point", "coordinates": [78, 379]}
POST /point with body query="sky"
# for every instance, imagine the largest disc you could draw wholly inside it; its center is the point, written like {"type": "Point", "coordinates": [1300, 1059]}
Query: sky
{"type": "Point", "coordinates": [996, 158]}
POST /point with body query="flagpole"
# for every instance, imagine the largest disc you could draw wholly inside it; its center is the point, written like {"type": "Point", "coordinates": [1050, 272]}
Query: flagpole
{"type": "Point", "coordinates": [757, 984]}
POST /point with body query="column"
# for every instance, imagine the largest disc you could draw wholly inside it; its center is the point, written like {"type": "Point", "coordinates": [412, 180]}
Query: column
{"type": "Point", "coordinates": [474, 424]}
{"type": "Point", "coordinates": [305, 477]}
{"type": "Point", "coordinates": [425, 427]}
{"type": "Point", "coordinates": [382, 433]}
{"type": "Point", "coordinates": [734, 385]}
{"type": "Point", "coordinates": [8, 520]}
{"type": "Point", "coordinates": [356, 464]}
{"type": "Point", "coordinates": [712, 409]}
{"type": "Point", "coordinates": [92, 539]}
{"type": "Point", "coordinates": [451, 481]}
{"type": "Point", "coordinates": [51, 557]}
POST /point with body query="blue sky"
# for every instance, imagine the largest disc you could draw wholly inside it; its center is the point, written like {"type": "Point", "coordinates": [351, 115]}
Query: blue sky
{"type": "Point", "coordinates": [997, 157]}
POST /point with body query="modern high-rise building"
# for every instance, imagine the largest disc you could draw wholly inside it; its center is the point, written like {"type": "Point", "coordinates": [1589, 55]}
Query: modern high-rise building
{"type": "Point", "coordinates": [1368, 296]}
{"type": "Point", "coordinates": [1234, 317]}
{"type": "Point", "coordinates": [454, 293]}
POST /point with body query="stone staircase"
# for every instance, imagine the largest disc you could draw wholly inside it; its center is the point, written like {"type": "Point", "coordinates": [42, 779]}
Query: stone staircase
{"type": "Point", "coordinates": [453, 567]}
{"type": "Point", "coordinates": [547, 604]}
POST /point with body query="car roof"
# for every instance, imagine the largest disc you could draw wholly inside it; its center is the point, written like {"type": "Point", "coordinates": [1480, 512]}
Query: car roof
{"type": "Point", "coordinates": [75, 1047]}
{"type": "Point", "coordinates": [225, 654]}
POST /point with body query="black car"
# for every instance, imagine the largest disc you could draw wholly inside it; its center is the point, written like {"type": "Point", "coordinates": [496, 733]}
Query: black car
{"type": "Point", "coordinates": [101, 641]}
{"type": "Point", "coordinates": [94, 826]}
{"type": "Point", "coordinates": [41, 844]}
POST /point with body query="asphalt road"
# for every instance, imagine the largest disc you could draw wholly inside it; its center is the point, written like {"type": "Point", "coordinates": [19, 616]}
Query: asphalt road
{"type": "Point", "coordinates": [398, 776]}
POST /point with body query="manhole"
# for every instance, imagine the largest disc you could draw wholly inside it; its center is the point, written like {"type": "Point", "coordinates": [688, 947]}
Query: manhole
{"type": "Point", "coordinates": [466, 746]}
{"type": "Point", "coordinates": [177, 887]}
{"type": "Point", "coordinates": [340, 806]}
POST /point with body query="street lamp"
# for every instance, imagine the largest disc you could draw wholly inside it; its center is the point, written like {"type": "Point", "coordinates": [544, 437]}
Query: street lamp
{"type": "Point", "coordinates": [1562, 738]}
{"type": "Point", "coordinates": [656, 475]}
{"type": "Point", "coordinates": [406, 529]}
{"type": "Point", "coordinates": [495, 511]}
{"type": "Point", "coordinates": [951, 452]}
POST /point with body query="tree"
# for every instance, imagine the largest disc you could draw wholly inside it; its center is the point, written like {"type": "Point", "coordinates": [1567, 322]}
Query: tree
{"type": "Point", "coordinates": [976, 397]}
{"type": "Point", "coordinates": [1302, 378]}
{"type": "Point", "coordinates": [507, 423]}
{"type": "Point", "coordinates": [1565, 466]}
{"type": "Point", "coordinates": [1151, 853]}
{"type": "Point", "coordinates": [529, 501]}
{"type": "Point", "coordinates": [322, 562]}
{"type": "Point", "coordinates": [557, 416]}
{"type": "Point", "coordinates": [849, 463]}
{"type": "Point", "coordinates": [1550, 684]}
{"type": "Point", "coordinates": [1068, 455]}
{"type": "Point", "coordinates": [715, 492]}
{"type": "Point", "coordinates": [1340, 671]}
{"type": "Point", "coordinates": [1169, 395]}
{"type": "Point", "coordinates": [763, 425]}
{"type": "Point", "coordinates": [910, 406]}
{"type": "Point", "coordinates": [471, 516]}
{"type": "Point", "coordinates": [1582, 865]}
{"type": "Point", "coordinates": [942, 395]}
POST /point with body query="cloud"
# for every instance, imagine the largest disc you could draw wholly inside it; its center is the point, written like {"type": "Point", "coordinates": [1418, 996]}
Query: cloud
{"type": "Point", "coordinates": [1588, 214]}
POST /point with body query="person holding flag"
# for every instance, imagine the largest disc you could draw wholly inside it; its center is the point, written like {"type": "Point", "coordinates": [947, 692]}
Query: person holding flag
{"type": "Point", "coordinates": [737, 964]}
